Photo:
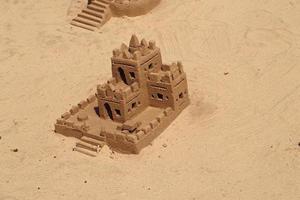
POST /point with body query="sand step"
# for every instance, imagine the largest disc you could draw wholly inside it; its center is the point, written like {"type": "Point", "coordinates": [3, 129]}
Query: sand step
{"type": "Point", "coordinates": [105, 1]}
{"type": "Point", "coordinates": [88, 146]}
{"type": "Point", "coordinates": [85, 151]}
{"type": "Point", "coordinates": [92, 12]}
{"type": "Point", "coordinates": [99, 4]}
{"type": "Point", "coordinates": [92, 141]}
{"type": "Point", "coordinates": [95, 8]}
{"type": "Point", "coordinates": [81, 25]}
{"type": "Point", "coordinates": [86, 21]}
{"type": "Point", "coordinates": [90, 17]}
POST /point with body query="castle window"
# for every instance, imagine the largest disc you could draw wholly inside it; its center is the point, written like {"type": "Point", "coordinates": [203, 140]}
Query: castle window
{"type": "Point", "coordinates": [108, 110]}
{"type": "Point", "coordinates": [160, 96]}
{"type": "Point", "coordinates": [133, 105]}
{"type": "Point", "coordinates": [153, 96]}
{"type": "Point", "coordinates": [118, 112]}
{"type": "Point", "coordinates": [132, 75]}
{"type": "Point", "coordinates": [166, 97]}
{"type": "Point", "coordinates": [150, 66]}
{"type": "Point", "coordinates": [181, 95]}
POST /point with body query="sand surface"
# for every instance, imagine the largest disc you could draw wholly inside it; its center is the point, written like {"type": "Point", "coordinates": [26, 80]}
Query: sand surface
{"type": "Point", "coordinates": [238, 139]}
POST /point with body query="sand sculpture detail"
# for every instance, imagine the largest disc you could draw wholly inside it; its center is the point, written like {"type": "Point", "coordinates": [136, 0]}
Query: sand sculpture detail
{"type": "Point", "coordinates": [92, 14]}
{"type": "Point", "coordinates": [140, 100]}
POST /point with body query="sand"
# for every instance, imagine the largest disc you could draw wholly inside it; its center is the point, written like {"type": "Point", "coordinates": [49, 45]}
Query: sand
{"type": "Point", "coordinates": [237, 140]}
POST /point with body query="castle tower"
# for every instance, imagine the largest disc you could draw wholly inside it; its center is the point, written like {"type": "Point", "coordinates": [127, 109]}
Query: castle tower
{"type": "Point", "coordinates": [130, 64]}
{"type": "Point", "coordinates": [118, 101]}
{"type": "Point", "coordinates": [168, 87]}
{"type": "Point", "coordinates": [127, 93]}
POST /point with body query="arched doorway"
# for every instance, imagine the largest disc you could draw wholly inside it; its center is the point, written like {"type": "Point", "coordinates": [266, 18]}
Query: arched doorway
{"type": "Point", "coordinates": [122, 75]}
{"type": "Point", "coordinates": [108, 111]}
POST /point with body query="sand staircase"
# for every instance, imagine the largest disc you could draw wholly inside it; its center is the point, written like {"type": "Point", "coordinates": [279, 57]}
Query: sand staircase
{"type": "Point", "coordinates": [89, 146]}
{"type": "Point", "coordinates": [94, 15]}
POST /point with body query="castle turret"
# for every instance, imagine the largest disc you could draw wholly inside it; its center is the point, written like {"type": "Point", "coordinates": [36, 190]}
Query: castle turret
{"type": "Point", "coordinates": [118, 101]}
{"type": "Point", "coordinates": [168, 87]}
{"type": "Point", "coordinates": [130, 64]}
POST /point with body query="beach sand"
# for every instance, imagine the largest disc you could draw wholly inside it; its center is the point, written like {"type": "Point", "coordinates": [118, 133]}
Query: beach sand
{"type": "Point", "coordinates": [239, 138]}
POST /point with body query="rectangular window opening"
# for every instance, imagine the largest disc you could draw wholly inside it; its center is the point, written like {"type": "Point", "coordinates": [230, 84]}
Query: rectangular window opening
{"type": "Point", "coordinates": [118, 112]}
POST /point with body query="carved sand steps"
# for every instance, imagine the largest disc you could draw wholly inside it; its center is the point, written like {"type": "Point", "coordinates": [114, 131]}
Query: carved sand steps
{"type": "Point", "coordinates": [75, 7]}
{"type": "Point", "coordinates": [89, 146]}
{"type": "Point", "coordinates": [94, 15]}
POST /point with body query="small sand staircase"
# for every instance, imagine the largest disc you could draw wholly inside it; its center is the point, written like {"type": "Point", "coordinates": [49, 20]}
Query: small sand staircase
{"type": "Point", "coordinates": [96, 13]}
{"type": "Point", "coordinates": [89, 146]}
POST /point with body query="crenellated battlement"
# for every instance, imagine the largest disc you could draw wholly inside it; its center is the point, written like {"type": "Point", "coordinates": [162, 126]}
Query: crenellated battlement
{"type": "Point", "coordinates": [117, 91]}
{"type": "Point", "coordinates": [136, 53]}
{"type": "Point", "coordinates": [168, 73]}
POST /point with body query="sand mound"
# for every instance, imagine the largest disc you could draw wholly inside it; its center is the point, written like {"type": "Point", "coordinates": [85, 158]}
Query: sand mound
{"type": "Point", "coordinates": [133, 7]}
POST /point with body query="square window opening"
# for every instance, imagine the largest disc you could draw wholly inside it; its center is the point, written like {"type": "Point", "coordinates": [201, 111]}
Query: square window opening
{"type": "Point", "coordinates": [160, 96]}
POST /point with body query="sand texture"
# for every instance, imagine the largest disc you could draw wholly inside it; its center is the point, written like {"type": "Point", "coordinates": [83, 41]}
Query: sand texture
{"type": "Point", "coordinates": [237, 140]}
{"type": "Point", "coordinates": [133, 7]}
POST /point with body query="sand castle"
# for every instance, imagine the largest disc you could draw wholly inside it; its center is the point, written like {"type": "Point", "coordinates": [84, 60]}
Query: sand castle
{"type": "Point", "coordinates": [140, 100]}
{"type": "Point", "coordinates": [92, 14]}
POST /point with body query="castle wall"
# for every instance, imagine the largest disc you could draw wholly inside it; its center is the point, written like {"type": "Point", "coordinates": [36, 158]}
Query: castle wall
{"type": "Point", "coordinates": [160, 97]}
{"type": "Point", "coordinates": [180, 93]}
{"type": "Point", "coordinates": [153, 64]}
{"type": "Point", "coordinates": [121, 111]}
